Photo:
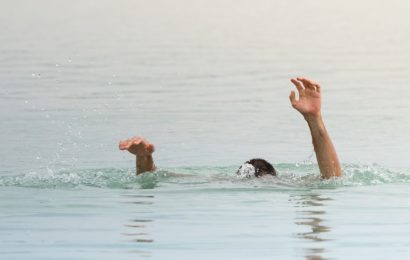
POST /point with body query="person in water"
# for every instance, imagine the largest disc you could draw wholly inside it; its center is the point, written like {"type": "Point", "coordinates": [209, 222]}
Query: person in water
{"type": "Point", "coordinates": [308, 104]}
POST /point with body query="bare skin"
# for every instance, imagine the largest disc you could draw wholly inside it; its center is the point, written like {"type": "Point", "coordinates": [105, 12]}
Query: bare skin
{"type": "Point", "coordinates": [309, 105]}
{"type": "Point", "coordinates": [143, 150]}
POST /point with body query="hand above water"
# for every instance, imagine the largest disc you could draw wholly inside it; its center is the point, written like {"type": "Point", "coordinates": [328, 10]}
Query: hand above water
{"type": "Point", "coordinates": [309, 105]}
{"type": "Point", "coordinates": [309, 102]}
{"type": "Point", "coordinates": [138, 146]}
{"type": "Point", "coordinates": [143, 151]}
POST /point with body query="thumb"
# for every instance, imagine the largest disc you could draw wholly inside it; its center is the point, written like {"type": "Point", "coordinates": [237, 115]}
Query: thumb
{"type": "Point", "coordinates": [292, 97]}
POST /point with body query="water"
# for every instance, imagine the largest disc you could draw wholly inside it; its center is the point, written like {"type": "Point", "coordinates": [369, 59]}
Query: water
{"type": "Point", "coordinates": [207, 82]}
{"type": "Point", "coordinates": [205, 212]}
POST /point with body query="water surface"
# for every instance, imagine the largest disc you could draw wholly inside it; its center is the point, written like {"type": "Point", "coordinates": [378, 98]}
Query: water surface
{"type": "Point", "coordinates": [207, 82]}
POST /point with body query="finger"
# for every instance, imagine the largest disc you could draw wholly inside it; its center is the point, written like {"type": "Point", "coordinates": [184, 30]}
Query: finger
{"type": "Point", "coordinates": [128, 145]}
{"type": "Point", "coordinates": [135, 138]}
{"type": "Point", "coordinates": [150, 148]}
{"type": "Point", "coordinates": [136, 141]}
{"type": "Point", "coordinates": [308, 83]}
{"type": "Point", "coordinates": [123, 145]}
{"type": "Point", "coordinates": [292, 97]}
{"type": "Point", "coordinates": [318, 88]}
{"type": "Point", "coordinates": [298, 85]}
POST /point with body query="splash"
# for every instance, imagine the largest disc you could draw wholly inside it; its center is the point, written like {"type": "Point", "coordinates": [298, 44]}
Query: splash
{"type": "Point", "coordinates": [291, 176]}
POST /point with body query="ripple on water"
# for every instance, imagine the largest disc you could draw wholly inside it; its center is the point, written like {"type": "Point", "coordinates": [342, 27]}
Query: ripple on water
{"type": "Point", "coordinates": [291, 176]}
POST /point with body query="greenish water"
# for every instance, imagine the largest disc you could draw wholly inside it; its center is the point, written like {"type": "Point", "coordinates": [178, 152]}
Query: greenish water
{"type": "Point", "coordinates": [291, 176]}
{"type": "Point", "coordinates": [206, 212]}
{"type": "Point", "coordinates": [207, 83]}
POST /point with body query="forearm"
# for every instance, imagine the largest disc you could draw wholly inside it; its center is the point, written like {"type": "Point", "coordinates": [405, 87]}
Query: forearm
{"type": "Point", "coordinates": [145, 164]}
{"type": "Point", "coordinates": [326, 155]}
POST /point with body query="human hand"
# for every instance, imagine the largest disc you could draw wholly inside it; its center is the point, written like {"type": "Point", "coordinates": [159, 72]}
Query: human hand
{"type": "Point", "coordinates": [309, 103]}
{"type": "Point", "coordinates": [138, 146]}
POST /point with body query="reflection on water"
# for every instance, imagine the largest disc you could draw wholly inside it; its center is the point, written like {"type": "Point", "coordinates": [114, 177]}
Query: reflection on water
{"type": "Point", "coordinates": [310, 212]}
{"type": "Point", "coordinates": [138, 227]}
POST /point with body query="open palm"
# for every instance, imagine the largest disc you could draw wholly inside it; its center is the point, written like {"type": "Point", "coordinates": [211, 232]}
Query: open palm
{"type": "Point", "coordinates": [138, 146]}
{"type": "Point", "coordinates": [309, 102]}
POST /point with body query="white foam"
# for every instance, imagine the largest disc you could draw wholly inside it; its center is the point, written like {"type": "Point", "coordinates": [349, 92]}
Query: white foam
{"type": "Point", "coordinates": [247, 170]}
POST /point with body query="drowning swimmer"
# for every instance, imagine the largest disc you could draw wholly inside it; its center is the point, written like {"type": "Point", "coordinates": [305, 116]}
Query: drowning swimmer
{"type": "Point", "coordinates": [308, 104]}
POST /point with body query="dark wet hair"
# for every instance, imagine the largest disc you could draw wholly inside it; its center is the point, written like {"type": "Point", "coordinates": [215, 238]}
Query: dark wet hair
{"type": "Point", "coordinates": [262, 167]}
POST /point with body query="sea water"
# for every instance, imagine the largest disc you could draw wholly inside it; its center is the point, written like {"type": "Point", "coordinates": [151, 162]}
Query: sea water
{"type": "Point", "coordinates": [207, 83]}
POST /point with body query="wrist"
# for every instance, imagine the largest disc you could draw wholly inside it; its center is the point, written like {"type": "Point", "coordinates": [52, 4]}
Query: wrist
{"type": "Point", "coordinates": [144, 157]}
{"type": "Point", "coordinates": [145, 163]}
{"type": "Point", "coordinates": [313, 118]}
{"type": "Point", "coordinates": [316, 124]}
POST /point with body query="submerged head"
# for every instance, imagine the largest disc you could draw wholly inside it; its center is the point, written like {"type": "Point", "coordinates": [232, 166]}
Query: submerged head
{"type": "Point", "coordinates": [257, 168]}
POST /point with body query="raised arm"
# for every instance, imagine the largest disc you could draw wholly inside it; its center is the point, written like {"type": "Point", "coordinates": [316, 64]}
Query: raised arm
{"type": "Point", "coordinates": [309, 105]}
{"type": "Point", "coordinates": [143, 150]}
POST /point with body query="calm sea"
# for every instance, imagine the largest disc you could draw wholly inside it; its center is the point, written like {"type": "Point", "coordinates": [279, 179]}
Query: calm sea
{"type": "Point", "coordinates": [208, 83]}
